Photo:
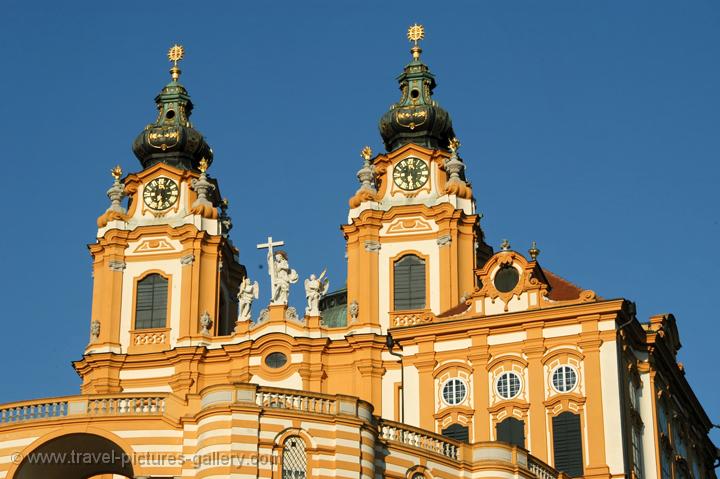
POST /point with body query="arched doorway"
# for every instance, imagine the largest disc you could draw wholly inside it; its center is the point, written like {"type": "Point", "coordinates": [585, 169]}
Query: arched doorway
{"type": "Point", "coordinates": [75, 456]}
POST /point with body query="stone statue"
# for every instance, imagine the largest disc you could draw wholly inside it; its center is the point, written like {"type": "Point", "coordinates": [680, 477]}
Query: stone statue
{"type": "Point", "coordinates": [247, 293]}
{"type": "Point", "coordinates": [281, 277]}
{"type": "Point", "coordinates": [205, 323]}
{"type": "Point", "coordinates": [94, 329]}
{"type": "Point", "coordinates": [354, 310]}
{"type": "Point", "coordinates": [315, 288]}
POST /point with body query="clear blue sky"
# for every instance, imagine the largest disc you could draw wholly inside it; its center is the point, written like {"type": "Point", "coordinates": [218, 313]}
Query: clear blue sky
{"type": "Point", "coordinates": [590, 127]}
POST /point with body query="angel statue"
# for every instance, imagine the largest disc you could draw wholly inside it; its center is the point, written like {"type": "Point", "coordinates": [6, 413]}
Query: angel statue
{"type": "Point", "coordinates": [315, 288]}
{"type": "Point", "coordinates": [247, 293]}
{"type": "Point", "coordinates": [281, 277]}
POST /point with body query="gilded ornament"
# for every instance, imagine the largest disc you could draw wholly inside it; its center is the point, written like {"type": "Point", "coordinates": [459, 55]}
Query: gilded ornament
{"type": "Point", "coordinates": [416, 33]}
{"type": "Point", "coordinates": [175, 54]}
{"type": "Point", "coordinates": [116, 172]}
{"type": "Point", "coordinates": [366, 153]}
{"type": "Point", "coordinates": [454, 144]}
{"type": "Point", "coordinates": [534, 251]}
{"type": "Point", "coordinates": [203, 166]}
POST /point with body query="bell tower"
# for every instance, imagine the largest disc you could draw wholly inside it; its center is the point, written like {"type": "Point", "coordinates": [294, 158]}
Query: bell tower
{"type": "Point", "coordinates": [165, 271]}
{"type": "Point", "coordinates": [413, 234]}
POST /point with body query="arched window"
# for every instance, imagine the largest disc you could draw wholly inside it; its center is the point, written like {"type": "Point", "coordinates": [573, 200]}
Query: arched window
{"type": "Point", "coordinates": [294, 459]}
{"type": "Point", "coordinates": [151, 302]}
{"type": "Point", "coordinates": [567, 444]}
{"type": "Point", "coordinates": [511, 430]}
{"type": "Point", "coordinates": [409, 283]}
{"type": "Point", "coordinates": [457, 432]}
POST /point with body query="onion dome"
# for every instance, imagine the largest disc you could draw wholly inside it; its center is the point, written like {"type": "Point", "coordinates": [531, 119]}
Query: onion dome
{"type": "Point", "coordinates": [416, 118]}
{"type": "Point", "coordinates": [172, 139]}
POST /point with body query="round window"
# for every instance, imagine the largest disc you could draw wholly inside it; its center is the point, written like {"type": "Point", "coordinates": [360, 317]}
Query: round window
{"type": "Point", "coordinates": [275, 360]}
{"type": "Point", "coordinates": [564, 379]}
{"type": "Point", "coordinates": [506, 279]}
{"type": "Point", "coordinates": [508, 385]}
{"type": "Point", "coordinates": [454, 391]}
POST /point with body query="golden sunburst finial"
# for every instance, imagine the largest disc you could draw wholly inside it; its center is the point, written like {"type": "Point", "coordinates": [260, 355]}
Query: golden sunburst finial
{"type": "Point", "coordinates": [454, 144]}
{"type": "Point", "coordinates": [203, 166]}
{"type": "Point", "coordinates": [366, 153]}
{"type": "Point", "coordinates": [175, 54]}
{"type": "Point", "coordinates": [415, 33]}
{"type": "Point", "coordinates": [116, 172]}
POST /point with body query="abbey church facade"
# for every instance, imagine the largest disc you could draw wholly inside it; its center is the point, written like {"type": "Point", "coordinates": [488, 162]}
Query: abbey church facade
{"type": "Point", "coordinates": [442, 358]}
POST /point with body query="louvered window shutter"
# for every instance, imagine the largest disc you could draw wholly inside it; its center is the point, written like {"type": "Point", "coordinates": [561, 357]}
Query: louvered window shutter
{"type": "Point", "coordinates": [151, 302]}
{"type": "Point", "coordinates": [409, 283]}
{"type": "Point", "coordinates": [511, 430]}
{"type": "Point", "coordinates": [567, 444]}
{"type": "Point", "coordinates": [457, 432]}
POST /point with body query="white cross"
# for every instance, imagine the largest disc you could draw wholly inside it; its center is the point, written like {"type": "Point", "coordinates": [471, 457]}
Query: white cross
{"type": "Point", "coordinates": [270, 245]}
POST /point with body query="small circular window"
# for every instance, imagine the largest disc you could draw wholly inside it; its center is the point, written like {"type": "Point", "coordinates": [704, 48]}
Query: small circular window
{"type": "Point", "coordinates": [508, 385]}
{"type": "Point", "coordinates": [454, 391]}
{"type": "Point", "coordinates": [275, 360]}
{"type": "Point", "coordinates": [564, 379]}
{"type": "Point", "coordinates": [506, 279]}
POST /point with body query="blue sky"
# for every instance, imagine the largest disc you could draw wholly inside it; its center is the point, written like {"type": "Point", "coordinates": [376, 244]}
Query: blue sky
{"type": "Point", "coordinates": [590, 127]}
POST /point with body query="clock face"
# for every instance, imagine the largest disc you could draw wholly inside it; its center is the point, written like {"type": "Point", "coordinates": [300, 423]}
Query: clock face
{"type": "Point", "coordinates": [411, 174]}
{"type": "Point", "coordinates": [161, 193]}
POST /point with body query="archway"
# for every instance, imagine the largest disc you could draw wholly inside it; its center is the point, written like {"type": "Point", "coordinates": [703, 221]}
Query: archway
{"type": "Point", "coordinates": [75, 456]}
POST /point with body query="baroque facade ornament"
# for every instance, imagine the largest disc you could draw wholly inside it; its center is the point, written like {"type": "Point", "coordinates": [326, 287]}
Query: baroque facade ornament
{"type": "Point", "coordinates": [372, 246]}
{"type": "Point", "coordinates": [116, 193]}
{"type": "Point", "coordinates": [118, 266]}
{"type": "Point", "coordinates": [354, 310]}
{"type": "Point", "coordinates": [444, 240]}
{"type": "Point", "coordinates": [94, 329]}
{"type": "Point", "coordinates": [205, 323]}
{"type": "Point", "coordinates": [202, 206]}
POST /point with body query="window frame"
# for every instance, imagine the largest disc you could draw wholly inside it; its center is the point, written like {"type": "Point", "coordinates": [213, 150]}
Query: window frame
{"type": "Point", "coordinates": [446, 383]}
{"type": "Point", "coordinates": [138, 280]}
{"type": "Point", "coordinates": [497, 385]}
{"type": "Point", "coordinates": [393, 264]}
{"type": "Point", "coordinates": [575, 384]}
{"type": "Point", "coordinates": [284, 449]}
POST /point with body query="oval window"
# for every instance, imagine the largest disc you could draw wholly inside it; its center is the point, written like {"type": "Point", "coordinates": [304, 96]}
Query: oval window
{"type": "Point", "coordinates": [275, 360]}
{"type": "Point", "coordinates": [454, 392]}
{"type": "Point", "coordinates": [508, 385]}
{"type": "Point", "coordinates": [506, 279]}
{"type": "Point", "coordinates": [564, 379]}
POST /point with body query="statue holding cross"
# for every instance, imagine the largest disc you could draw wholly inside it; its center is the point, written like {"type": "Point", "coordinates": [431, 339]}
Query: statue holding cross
{"type": "Point", "coordinates": [281, 275]}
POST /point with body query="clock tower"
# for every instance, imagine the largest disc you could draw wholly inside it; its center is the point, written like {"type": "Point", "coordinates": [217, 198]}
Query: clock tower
{"type": "Point", "coordinates": [165, 271]}
{"type": "Point", "coordinates": [413, 233]}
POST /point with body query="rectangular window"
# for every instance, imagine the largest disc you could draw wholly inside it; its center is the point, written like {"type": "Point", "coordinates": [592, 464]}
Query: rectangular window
{"type": "Point", "coordinates": [409, 283]}
{"type": "Point", "coordinates": [151, 302]}
{"type": "Point", "coordinates": [637, 453]}
{"type": "Point", "coordinates": [567, 444]}
{"type": "Point", "coordinates": [511, 430]}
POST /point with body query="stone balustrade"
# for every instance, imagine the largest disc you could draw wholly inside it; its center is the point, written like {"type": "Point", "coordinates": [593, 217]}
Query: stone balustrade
{"type": "Point", "coordinates": [86, 405]}
{"type": "Point", "coordinates": [419, 438]}
{"type": "Point", "coordinates": [27, 411]}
